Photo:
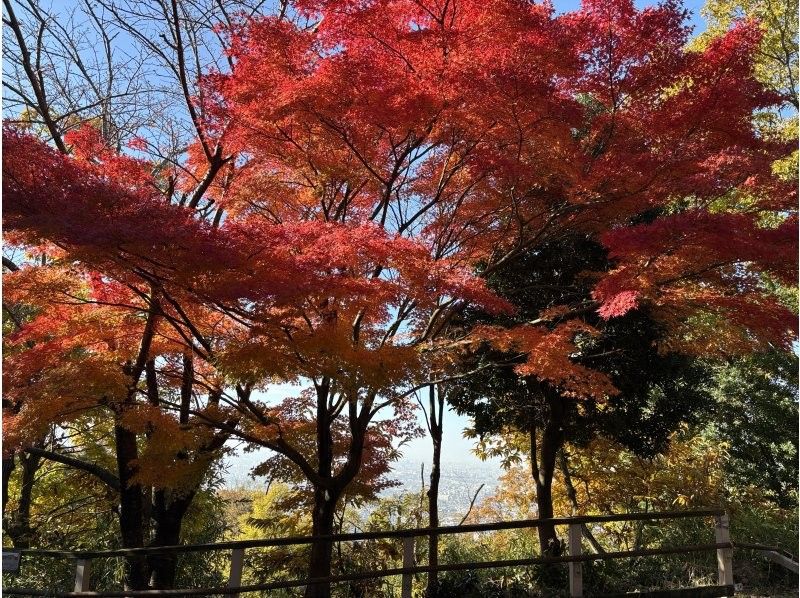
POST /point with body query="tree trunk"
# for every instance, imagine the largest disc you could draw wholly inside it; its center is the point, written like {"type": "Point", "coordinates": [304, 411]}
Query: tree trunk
{"type": "Point", "coordinates": [169, 508]}
{"type": "Point", "coordinates": [319, 564]}
{"type": "Point", "coordinates": [433, 492]}
{"type": "Point", "coordinates": [169, 511]}
{"type": "Point", "coordinates": [131, 508]}
{"type": "Point", "coordinates": [548, 539]}
{"type": "Point", "coordinates": [131, 494]}
{"type": "Point", "coordinates": [8, 468]}
{"type": "Point", "coordinates": [18, 527]}
{"type": "Point", "coordinates": [543, 465]}
{"type": "Point", "coordinates": [321, 552]}
{"type": "Point", "coordinates": [573, 498]}
{"type": "Point", "coordinates": [433, 520]}
{"type": "Point", "coordinates": [328, 488]}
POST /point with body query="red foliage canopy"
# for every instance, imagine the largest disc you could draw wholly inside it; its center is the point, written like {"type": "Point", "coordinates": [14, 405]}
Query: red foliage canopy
{"type": "Point", "coordinates": [384, 156]}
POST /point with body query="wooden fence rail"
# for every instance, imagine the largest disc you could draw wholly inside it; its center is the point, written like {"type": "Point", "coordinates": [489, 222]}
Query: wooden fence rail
{"type": "Point", "coordinates": [575, 557]}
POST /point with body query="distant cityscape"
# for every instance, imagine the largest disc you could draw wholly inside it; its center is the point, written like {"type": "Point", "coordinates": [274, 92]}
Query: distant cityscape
{"type": "Point", "coordinates": [460, 480]}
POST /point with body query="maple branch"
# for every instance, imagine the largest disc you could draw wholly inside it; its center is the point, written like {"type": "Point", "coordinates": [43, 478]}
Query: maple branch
{"type": "Point", "coordinates": [147, 340]}
{"type": "Point", "coordinates": [99, 472]}
{"type": "Point", "coordinates": [279, 446]}
{"type": "Point", "coordinates": [13, 315]}
{"type": "Point", "coordinates": [343, 134]}
{"type": "Point", "coordinates": [445, 312]}
{"type": "Point", "coordinates": [77, 300]}
{"type": "Point", "coordinates": [358, 429]}
{"type": "Point", "coordinates": [428, 418]}
{"type": "Point", "coordinates": [216, 162]}
{"type": "Point", "coordinates": [186, 338]}
{"type": "Point", "coordinates": [16, 319]}
{"type": "Point", "coordinates": [7, 263]}
{"type": "Point", "coordinates": [696, 273]}
{"type": "Point", "coordinates": [522, 245]}
{"type": "Point", "coordinates": [151, 381]}
{"type": "Point", "coordinates": [394, 51]}
{"type": "Point", "coordinates": [195, 332]}
{"type": "Point", "coordinates": [437, 197]}
{"type": "Point", "coordinates": [406, 307]}
{"type": "Point", "coordinates": [186, 387]}
{"type": "Point", "coordinates": [422, 385]}
{"type": "Point", "coordinates": [440, 309]}
{"type": "Point", "coordinates": [337, 407]}
{"type": "Point", "coordinates": [243, 395]}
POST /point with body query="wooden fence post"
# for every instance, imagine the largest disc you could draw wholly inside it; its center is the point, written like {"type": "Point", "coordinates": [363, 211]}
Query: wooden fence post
{"type": "Point", "coordinates": [724, 555]}
{"type": "Point", "coordinates": [575, 568]}
{"type": "Point", "coordinates": [408, 561]}
{"type": "Point", "coordinates": [235, 575]}
{"type": "Point", "coordinates": [83, 573]}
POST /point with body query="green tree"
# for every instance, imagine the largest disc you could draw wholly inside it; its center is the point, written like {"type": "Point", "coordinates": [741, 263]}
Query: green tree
{"type": "Point", "coordinates": [756, 414]}
{"type": "Point", "coordinates": [777, 59]}
{"type": "Point", "coordinates": [776, 64]}
{"type": "Point", "coordinates": [657, 391]}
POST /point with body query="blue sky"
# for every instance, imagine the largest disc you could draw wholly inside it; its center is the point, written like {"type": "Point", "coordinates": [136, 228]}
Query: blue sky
{"type": "Point", "coordinates": [692, 5]}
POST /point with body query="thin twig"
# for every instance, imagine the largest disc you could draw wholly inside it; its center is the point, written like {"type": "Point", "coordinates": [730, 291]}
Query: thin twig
{"type": "Point", "coordinates": [471, 504]}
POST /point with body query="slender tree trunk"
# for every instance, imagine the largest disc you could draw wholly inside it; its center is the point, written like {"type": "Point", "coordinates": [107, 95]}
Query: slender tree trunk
{"type": "Point", "coordinates": [148, 497]}
{"type": "Point", "coordinates": [9, 463]}
{"type": "Point", "coordinates": [328, 488]}
{"type": "Point", "coordinates": [433, 492]}
{"type": "Point", "coordinates": [168, 507]}
{"type": "Point", "coordinates": [573, 498]}
{"type": "Point", "coordinates": [324, 499]}
{"type": "Point", "coordinates": [548, 539]}
{"type": "Point", "coordinates": [433, 520]}
{"type": "Point", "coordinates": [131, 494]}
{"type": "Point", "coordinates": [321, 552]}
{"type": "Point", "coordinates": [131, 507]}
{"type": "Point", "coordinates": [18, 526]}
{"type": "Point", "coordinates": [543, 465]}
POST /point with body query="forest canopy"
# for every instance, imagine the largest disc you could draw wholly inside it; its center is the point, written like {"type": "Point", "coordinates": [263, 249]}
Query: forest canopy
{"type": "Point", "coordinates": [577, 229]}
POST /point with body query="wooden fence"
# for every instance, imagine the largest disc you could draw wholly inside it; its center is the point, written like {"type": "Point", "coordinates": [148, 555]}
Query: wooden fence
{"type": "Point", "coordinates": [574, 557]}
